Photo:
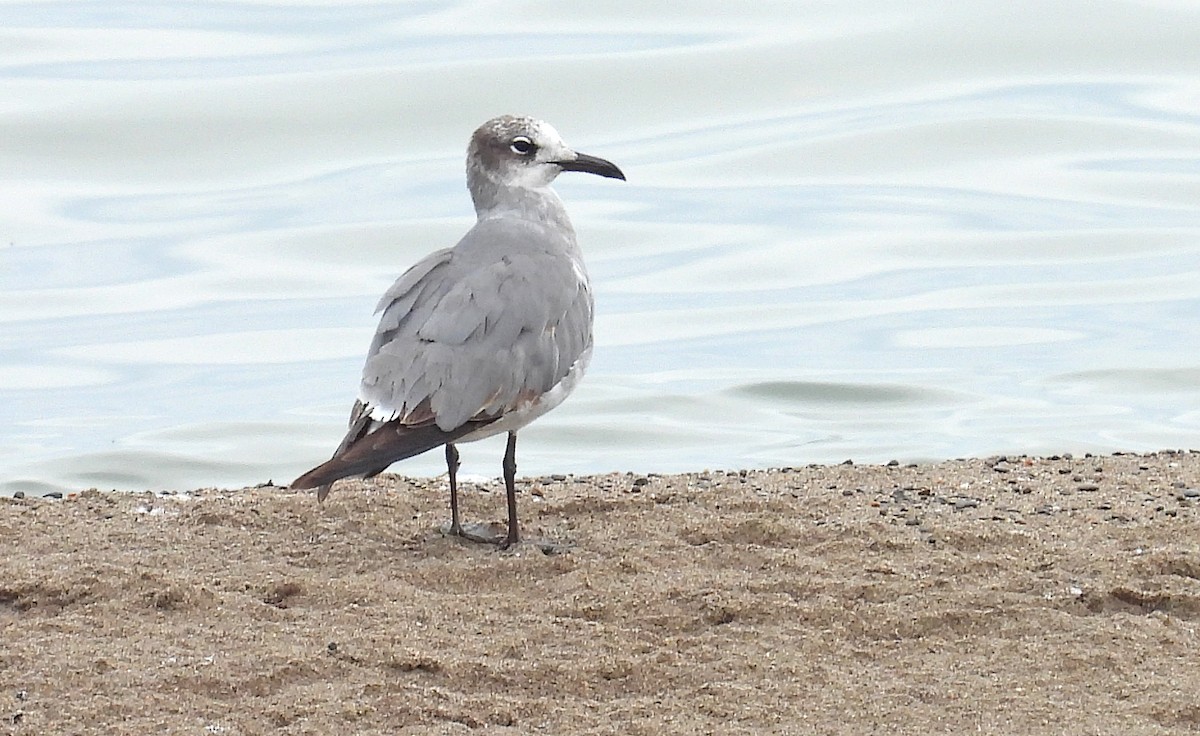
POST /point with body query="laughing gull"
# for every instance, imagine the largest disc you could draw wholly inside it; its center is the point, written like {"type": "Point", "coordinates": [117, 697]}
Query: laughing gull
{"type": "Point", "coordinates": [484, 337]}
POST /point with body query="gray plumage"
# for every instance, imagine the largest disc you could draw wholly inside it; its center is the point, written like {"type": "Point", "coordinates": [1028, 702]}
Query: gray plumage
{"type": "Point", "coordinates": [486, 336]}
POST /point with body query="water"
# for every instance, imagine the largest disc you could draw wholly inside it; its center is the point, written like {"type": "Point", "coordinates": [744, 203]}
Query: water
{"type": "Point", "coordinates": [850, 230]}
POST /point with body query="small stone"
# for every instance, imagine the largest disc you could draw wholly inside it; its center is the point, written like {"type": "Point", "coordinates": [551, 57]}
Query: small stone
{"type": "Point", "coordinates": [558, 476]}
{"type": "Point", "coordinates": [893, 463]}
{"type": "Point", "coordinates": [1088, 487]}
{"type": "Point", "coordinates": [640, 481]}
{"type": "Point", "coordinates": [1191, 493]}
{"type": "Point", "coordinates": [52, 494]}
{"type": "Point", "coordinates": [19, 494]}
{"type": "Point", "coordinates": [965, 503]}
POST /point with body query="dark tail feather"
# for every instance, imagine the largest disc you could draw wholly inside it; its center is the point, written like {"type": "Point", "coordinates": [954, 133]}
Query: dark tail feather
{"type": "Point", "coordinates": [372, 452]}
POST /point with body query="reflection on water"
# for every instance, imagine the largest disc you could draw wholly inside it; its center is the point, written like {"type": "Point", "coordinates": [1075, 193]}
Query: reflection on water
{"type": "Point", "coordinates": [849, 231]}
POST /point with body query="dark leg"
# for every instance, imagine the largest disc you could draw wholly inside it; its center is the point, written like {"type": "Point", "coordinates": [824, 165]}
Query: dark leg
{"type": "Point", "coordinates": [510, 477]}
{"type": "Point", "coordinates": [452, 466]}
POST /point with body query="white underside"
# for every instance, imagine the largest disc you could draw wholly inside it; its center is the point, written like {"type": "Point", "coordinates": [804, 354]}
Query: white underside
{"type": "Point", "coordinates": [514, 420]}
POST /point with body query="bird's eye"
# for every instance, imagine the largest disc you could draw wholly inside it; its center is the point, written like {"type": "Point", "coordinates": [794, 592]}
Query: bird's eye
{"type": "Point", "coordinates": [522, 146]}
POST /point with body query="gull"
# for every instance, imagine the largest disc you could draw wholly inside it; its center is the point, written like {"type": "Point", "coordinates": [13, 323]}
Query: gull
{"type": "Point", "coordinates": [484, 337]}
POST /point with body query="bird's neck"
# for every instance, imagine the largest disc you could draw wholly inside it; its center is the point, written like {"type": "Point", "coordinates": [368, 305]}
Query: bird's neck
{"type": "Point", "coordinates": [538, 204]}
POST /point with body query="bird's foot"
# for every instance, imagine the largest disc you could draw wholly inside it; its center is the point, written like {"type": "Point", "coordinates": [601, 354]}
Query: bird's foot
{"type": "Point", "coordinates": [496, 535]}
{"type": "Point", "coordinates": [493, 534]}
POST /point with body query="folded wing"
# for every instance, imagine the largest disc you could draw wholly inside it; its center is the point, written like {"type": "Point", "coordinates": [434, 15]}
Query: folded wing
{"type": "Point", "coordinates": [466, 336]}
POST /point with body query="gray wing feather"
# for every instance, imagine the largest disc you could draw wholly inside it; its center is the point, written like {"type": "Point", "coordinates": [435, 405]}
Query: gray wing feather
{"type": "Point", "coordinates": [398, 299]}
{"type": "Point", "coordinates": [475, 331]}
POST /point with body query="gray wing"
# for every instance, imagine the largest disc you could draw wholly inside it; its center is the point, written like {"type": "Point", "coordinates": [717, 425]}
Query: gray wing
{"type": "Point", "coordinates": [480, 330]}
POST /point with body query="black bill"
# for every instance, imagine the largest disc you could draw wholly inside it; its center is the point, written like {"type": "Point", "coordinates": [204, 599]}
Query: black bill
{"type": "Point", "coordinates": [593, 165]}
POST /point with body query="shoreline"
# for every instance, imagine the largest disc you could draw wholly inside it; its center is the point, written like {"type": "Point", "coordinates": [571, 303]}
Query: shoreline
{"type": "Point", "coordinates": [1031, 595]}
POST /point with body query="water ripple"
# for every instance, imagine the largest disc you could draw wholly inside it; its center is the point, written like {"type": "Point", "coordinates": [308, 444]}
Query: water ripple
{"type": "Point", "coordinates": [849, 231]}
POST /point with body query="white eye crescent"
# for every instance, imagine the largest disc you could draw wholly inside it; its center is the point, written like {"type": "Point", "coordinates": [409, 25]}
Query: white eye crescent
{"type": "Point", "coordinates": [522, 146]}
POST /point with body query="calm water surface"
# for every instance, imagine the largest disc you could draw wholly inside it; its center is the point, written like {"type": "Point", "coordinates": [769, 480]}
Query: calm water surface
{"type": "Point", "coordinates": [850, 230]}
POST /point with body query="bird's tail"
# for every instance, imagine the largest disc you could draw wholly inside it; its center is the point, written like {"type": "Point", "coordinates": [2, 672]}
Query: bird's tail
{"type": "Point", "coordinates": [371, 452]}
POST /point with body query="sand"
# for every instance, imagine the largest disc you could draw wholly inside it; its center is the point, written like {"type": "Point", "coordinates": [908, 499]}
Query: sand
{"type": "Point", "coordinates": [1020, 596]}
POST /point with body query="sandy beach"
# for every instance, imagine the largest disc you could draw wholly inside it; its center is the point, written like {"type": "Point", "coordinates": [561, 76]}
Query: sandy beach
{"type": "Point", "coordinates": [1014, 595]}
